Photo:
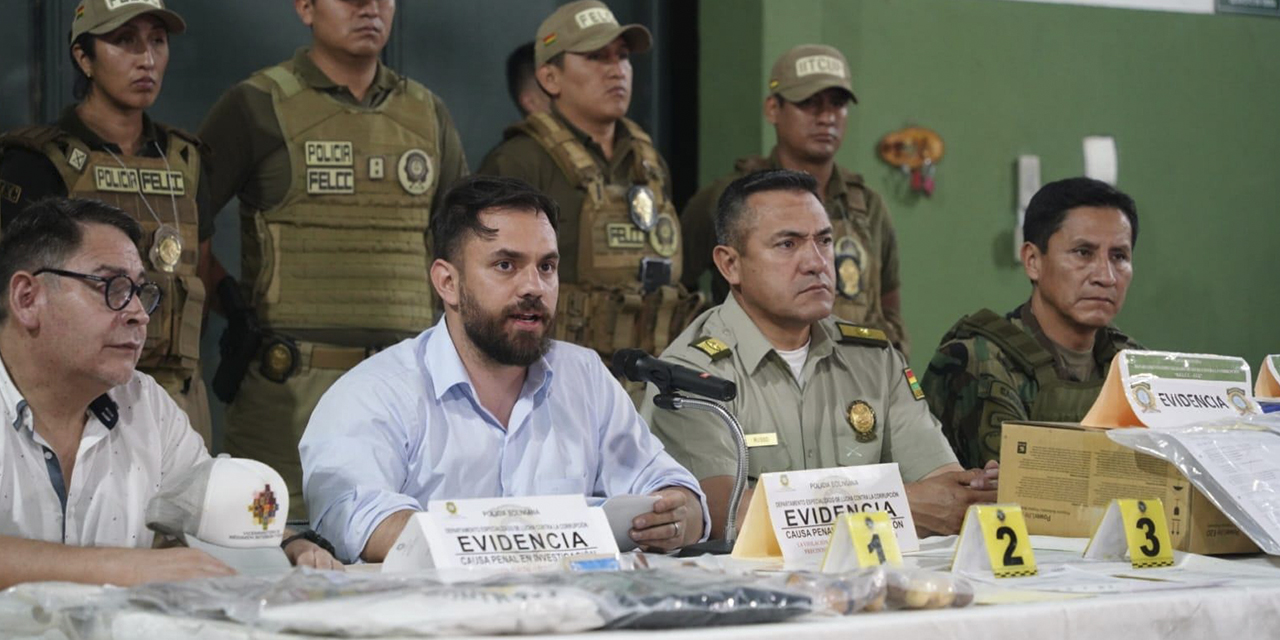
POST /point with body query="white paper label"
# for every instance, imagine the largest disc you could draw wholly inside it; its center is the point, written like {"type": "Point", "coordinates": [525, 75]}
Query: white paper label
{"type": "Point", "coordinates": [516, 534]}
{"type": "Point", "coordinates": [803, 505]}
{"type": "Point", "coordinates": [1173, 389]}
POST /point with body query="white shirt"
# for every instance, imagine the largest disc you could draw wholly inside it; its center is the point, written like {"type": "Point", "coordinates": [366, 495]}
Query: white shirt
{"type": "Point", "coordinates": [795, 359]}
{"type": "Point", "coordinates": [405, 427]}
{"type": "Point", "coordinates": [135, 439]}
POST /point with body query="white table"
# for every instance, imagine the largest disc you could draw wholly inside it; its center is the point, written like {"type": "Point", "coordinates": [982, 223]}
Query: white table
{"type": "Point", "coordinates": [1250, 609]}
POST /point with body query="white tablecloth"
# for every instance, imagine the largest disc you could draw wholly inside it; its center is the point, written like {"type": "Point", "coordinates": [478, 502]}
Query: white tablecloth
{"type": "Point", "coordinates": [1245, 608]}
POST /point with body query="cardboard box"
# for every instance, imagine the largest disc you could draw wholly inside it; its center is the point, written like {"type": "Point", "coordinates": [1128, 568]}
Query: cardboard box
{"type": "Point", "coordinates": [1065, 475]}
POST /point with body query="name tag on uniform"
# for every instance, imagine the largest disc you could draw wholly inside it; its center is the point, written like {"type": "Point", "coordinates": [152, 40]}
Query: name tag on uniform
{"type": "Point", "coordinates": [761, 440]}
{"type": "Point", "coordinates": [117, 179]}
{"type": "Point", "coordinates": [322, 153]}
{"type": "Point", "coordinates": [623, 236]}
{"type": "Point", "coordinates": [331, 181]}
{"type": "Point", "coordinates": [162, 183]}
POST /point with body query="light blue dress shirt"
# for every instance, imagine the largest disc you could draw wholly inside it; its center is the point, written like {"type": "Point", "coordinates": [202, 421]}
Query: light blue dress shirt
{"type": "Point", "coordinates": [405, 427]}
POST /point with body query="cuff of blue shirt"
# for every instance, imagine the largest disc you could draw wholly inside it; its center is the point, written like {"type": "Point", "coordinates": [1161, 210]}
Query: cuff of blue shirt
{"type": "Point", "coordinates": [349, 527]}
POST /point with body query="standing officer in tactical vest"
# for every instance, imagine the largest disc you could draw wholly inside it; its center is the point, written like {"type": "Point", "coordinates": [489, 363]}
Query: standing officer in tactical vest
{"type": "Point", "coordinates": [107, 148]}
{"type": "Point", "coordinates": [337, 161]}
{"type": "Point", "coordinates": [619, 238]}
{"type": "Point", "coordinates": [807, 103]}
{"type": "Point", "coordinates": [1047, 359]}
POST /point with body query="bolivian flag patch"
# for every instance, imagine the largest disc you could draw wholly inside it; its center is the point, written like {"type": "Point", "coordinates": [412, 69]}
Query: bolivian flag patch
{"type": "Point", "coordinates": [80, 11]}
{"type": "Point", "coordinates": [914, 384]}
{"type": "Point", "coordinates": [549, 40]}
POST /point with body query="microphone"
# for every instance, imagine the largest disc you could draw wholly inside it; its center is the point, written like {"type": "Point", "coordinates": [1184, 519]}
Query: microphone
{"type": "Point", "coordinates": [638, 366]}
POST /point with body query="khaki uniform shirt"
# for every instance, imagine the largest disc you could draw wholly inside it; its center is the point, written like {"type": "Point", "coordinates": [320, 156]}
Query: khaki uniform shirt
{"type": "Point", "coordinates": [250, 158]}
{"type": "Point", "coordinates": [522, 157]}
{"type": "Point", "coordinates": [811, 422]}
{"type": "Point", "coordinates": [698, 228]}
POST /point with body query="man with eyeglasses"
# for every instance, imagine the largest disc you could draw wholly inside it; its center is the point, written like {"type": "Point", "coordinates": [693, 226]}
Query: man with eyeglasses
{"type": "Point", "coordinates": [85, 439]}
{"type": "Point", "coordinates": [808, 100]}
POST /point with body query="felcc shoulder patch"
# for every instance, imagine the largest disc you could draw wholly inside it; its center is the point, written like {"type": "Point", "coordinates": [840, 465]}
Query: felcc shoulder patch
{"type": "Point", "coordinates": [853, 334]}
{"type": "Point", "coordinates": [715, 348]}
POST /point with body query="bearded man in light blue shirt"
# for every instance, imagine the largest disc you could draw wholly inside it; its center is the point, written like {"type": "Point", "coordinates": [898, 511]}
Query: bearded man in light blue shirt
{"type": "Point", "coordinates": [485, 404]}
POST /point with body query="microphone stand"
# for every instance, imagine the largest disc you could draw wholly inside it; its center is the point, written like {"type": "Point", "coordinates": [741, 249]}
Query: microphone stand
{"type": "Point", "coordinates": [673, 401]}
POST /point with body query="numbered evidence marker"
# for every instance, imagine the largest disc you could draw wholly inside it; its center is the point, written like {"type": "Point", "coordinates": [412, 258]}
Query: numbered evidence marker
{"type": "Point", "coordinates": [1135, 527]}
{"type": "Point", "coordinates": [861, 540]}
{"type": "Point", "coordinates": [994, 537]}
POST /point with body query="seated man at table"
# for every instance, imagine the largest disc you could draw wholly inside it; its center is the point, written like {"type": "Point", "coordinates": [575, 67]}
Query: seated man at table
{"type": "Point", "coordinates": [813, 391]}
{"type": "Point", "coordinates": [87, 440]}
{"type": "Point", "coordinates": [1047, 359]}
{"type": "Point", "coordinates": [485, 404]}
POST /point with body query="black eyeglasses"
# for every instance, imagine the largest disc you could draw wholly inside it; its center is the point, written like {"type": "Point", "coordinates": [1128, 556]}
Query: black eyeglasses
{"type": "Point", "coordinates": [119, 289]}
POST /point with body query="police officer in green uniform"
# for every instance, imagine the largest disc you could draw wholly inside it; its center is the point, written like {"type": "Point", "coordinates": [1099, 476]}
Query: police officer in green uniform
{"type": "Point", "coordinates": [1047, 359]}
{"type": "Point", "coordinates": [106, 148]}
{"type": "Point", "coordinates": [813, 391]}
{"type": "Point", "coordinates": [808, 104]}
{"type": "Point", "coordinates": [336, 160]}
{"type": "Point", "coordinates": [619, 237]}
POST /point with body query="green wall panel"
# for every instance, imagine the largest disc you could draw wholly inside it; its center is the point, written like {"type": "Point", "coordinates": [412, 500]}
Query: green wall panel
{"type": "Point", "coordinates": [1190, 100]}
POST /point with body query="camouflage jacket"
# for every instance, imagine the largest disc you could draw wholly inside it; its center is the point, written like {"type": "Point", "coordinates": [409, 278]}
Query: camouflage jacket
{"type": "Point", "coordinates": [980, 378]}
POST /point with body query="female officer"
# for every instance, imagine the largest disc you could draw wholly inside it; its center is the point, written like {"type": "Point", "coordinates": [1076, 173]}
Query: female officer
{"type": "Point", "coordinates": [105, 147]}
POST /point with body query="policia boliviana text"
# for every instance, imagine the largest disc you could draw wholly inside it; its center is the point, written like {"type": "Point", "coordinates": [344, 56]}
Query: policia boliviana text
{"type": "Point", "coordinates": [106, 148]}
{"type": "Point", "coordinates": [619, 235]}
{"type": "Point", "coordinates": [336, 160]}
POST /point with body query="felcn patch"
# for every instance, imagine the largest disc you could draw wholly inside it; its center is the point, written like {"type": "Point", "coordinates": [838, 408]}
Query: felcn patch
{"type": "Point", "coordinates": [914, 384]}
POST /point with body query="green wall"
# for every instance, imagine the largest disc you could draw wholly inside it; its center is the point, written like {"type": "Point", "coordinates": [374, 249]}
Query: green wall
{"type": "Point", "coordinates": [1190, 99]}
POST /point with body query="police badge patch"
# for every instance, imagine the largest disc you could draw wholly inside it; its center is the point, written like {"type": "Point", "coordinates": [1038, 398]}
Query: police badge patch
{"type": "Point", "coordinates": [640, 204]}
{"type": "Point", "coordinates": [414, 171]}
{"type": "Point", "coordinates": [664, 237]}
{"type": "Point", "coordinates": [849, 261]}
{"type": "Point", "coordinates": [166, 248]}
{"type": "Point", "coordinates": [863, 420]}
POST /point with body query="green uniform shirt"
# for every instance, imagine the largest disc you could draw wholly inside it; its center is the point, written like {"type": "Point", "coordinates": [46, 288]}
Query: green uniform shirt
{"type": "Point", "coordinates": [250, 159]}
{"type": "Point", "coordinates": [973, 386]}
{"type": "Point", "coordinates": [522, 157]}
{"type": "Point", "coordinates": [812, 422]}
{"type": "Point", "coordinates": [698, 229]}
{"type": "Point", "coordinates": [27, 176]}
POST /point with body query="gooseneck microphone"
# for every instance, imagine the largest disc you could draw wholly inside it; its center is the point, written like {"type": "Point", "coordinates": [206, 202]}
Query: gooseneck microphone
{"type": "Point", "coordinates": [638, 366]}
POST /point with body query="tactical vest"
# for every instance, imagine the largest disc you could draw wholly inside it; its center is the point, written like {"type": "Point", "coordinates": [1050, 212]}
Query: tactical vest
{"type": "Point", "coordinates": [173, 334]}
{"type": "Point", "coordinates": [606, 309]}
{"type": "Point", "coordinates": [857, 267]}
{"type": "Point", "coordinates": [346, 248]}
{"type": "Point", "coordinates": [1056, 400]}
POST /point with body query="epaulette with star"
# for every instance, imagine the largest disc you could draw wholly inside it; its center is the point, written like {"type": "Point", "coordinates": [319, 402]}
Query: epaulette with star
{"type": "Point", "coordinates": [854, 334]}
{"type": "Point", "coordinates": [715, 348]}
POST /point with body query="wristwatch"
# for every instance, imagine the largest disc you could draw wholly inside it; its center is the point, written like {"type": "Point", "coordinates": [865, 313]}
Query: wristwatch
{"type": "Point", "coordinates": [313, 537]}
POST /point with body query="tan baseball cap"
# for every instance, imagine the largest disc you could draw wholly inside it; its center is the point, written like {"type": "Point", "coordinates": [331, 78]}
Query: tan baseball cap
{"type": "Point", "coordinates": [104, 16]}
{"type": "Point", "coordinates": [582, 27]}
{"type": "Point", "coordinates": [808, 69]}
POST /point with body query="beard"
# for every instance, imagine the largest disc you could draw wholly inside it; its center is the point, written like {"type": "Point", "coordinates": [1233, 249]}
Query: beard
{"type": "Point", "coordinates": [487, 331]}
